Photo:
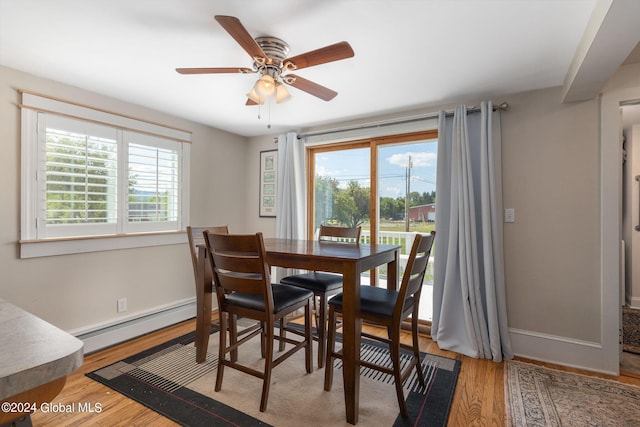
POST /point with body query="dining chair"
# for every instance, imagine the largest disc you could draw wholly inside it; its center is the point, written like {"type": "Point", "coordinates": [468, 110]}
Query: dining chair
{"type": "Point", "coordinates": [203, 324]}
{"type": "Point", "coordinates": [204, 290]}
{"type": "Point", "coordinates": [389, 308]}
{"type": "Point", "coordinates": [242, 283]}
{"type": "Point", "coordinates": [324, 285]}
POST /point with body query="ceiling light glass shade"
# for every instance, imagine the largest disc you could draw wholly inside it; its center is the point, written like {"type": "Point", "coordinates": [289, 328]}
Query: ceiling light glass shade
{"type": "Point", "coordinates": [253, 95]}
{"type": "Point", "coordinates": [266, 86]}
{"type": "Point", "coordinates": [282, 94]}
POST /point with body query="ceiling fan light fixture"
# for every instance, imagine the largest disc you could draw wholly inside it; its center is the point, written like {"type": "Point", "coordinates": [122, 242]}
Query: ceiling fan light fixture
{"type": "Point", "coordinates": [265, 87]}
{"type": "Point", "coordinates": [271, 60]}
{"type": "Point", "coordinates": [282, 94]}
{"type": "Point", "coordinates": [253, 95]}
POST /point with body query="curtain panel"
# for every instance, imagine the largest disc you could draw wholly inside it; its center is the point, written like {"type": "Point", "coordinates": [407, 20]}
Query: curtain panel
{"type": "Point", "coordinates": [291, 195]}
{"type": "Point", "coordinates": [291, 203]}
{"type": "Point", "coordinates": [469, 303]}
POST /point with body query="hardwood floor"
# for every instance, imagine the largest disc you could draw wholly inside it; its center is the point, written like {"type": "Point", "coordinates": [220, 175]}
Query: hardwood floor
{"type": "Point", "coordinates": [478, 399]}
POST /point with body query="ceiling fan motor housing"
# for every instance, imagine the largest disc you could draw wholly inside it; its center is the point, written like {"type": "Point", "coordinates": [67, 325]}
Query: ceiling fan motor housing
{"type": "Point", "coordinates": [277, 50]}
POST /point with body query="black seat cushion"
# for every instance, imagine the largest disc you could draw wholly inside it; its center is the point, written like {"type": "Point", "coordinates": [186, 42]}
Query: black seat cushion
{"type": "Point", "coordinates": [374, 301]}
{"type": "Point", "coordinates": [316, 282]}
{"type": "Point", "coordinates": [283, 296]}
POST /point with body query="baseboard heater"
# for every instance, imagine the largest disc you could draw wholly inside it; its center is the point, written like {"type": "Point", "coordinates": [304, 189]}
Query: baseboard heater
{"type": "Point", "coordinates": [101, 336]}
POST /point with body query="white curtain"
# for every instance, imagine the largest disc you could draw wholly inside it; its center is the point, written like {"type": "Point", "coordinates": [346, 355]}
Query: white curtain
{"type": "Point", "coordinates": [469, 303]}
{"type": "Point", "coordinates": [291, 196]}
{"type": "Point", "coordinates": [291, 200]}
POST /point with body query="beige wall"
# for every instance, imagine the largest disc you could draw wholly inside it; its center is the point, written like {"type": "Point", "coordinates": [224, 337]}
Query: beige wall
{"type": "Point", "coordinates": [252, 220]}
{"type": "Point", "coordinates": [551, 178]}
{"type": "Point", "coordinates": [75, 292]}
{"type": "Point", "coordinates": [554, 167]}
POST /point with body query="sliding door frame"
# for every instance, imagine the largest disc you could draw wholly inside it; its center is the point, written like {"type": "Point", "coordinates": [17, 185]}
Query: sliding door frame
{"type": "Point", "coordinates": [372, 144]}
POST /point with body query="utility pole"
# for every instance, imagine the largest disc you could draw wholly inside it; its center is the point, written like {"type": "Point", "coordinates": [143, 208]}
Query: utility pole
{"type": "Point", "coordinates": [407, 192]}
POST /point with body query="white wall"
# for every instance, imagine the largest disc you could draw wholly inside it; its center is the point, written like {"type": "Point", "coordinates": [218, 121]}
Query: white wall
{"type": "Point", "coordinates": [79, 292]}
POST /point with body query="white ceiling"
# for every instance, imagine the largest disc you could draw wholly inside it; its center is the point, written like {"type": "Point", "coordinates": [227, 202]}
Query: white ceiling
{"type": "Point", "coordinates": [408, 53]}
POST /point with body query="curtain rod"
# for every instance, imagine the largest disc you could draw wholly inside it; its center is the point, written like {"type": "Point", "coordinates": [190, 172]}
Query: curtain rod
{"type": "Point", "coordinates": [502, 107]}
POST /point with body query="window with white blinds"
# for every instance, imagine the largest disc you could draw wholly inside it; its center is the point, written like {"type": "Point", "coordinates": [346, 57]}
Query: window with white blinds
{"type": "Point", "coordinates": [85, 177]}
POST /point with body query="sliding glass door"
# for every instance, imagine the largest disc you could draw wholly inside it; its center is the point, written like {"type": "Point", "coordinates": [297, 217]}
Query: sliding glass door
{"type": "Point", "coordinates": [385, 185]}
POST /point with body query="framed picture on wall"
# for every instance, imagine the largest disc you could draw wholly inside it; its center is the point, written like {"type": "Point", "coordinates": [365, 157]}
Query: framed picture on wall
{"type": "Point", "coordinates": [268, 182]}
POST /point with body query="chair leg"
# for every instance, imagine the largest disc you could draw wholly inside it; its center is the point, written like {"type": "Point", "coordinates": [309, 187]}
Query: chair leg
{"type": "Point", "coordinates": [233, 336]}
{"type": "Point", "coordinates": [331, 345]}
{"type": "Point", "coordinates": [263, 340]}
{"type": "Point", "coordinates": [221, 350]}
{"type": "Point", "coordinates": [316, 314]}
{"type": "Point", "coordinates": [268, 365]}
{"type": "Point", "coordinates": [283, 334]}
{"type": "Point", "coordinates": [394, 348]}
{"type": "Point", "coordinates": [416, 349]}
{"type": "Point", "coordinates": [321, 327]}
{"type": "Point", "coordinates": [199, 326]}
{"type": "Point", "coordinates": [203, 328]}
{"type": "Point", "coordinates": [308, 336]}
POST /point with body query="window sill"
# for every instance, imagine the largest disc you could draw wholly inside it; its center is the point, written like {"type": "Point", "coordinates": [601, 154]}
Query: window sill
{"type": "Point", "coordinates": [76, 245]}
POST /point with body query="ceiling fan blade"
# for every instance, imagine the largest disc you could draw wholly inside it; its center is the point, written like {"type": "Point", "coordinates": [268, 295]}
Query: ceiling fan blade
{"type": "Point", "coordinates": [310, 87]}
{"type": "Point", "coordinates": [240, 34]}
{"type": "Point", "coordinates": [214, 70]}
{"type": "Point", "coordinates": [334, 52]}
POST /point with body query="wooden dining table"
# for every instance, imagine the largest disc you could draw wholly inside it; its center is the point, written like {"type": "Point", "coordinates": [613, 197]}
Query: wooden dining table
{"type": "Point", "coordinates": [350, 261]}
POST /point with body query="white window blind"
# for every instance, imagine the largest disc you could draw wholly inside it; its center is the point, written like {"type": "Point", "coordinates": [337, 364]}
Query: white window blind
{"type": "Point", "coordinates": [153, 182]}
{"type": "Point", "coordinates": [90, 173]}
{"type": "Point", "coordinates": [80, 170]}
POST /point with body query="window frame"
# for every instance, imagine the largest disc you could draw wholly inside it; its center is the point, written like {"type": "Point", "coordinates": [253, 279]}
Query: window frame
{"type": "Point", "coordinates": [371, 143]}
{"type": "Point", "coordinates": [34, 244]}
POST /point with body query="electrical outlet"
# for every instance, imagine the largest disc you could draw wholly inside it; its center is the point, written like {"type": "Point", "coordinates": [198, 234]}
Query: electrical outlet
{"type": "Point", "coordinates": [122, 305]}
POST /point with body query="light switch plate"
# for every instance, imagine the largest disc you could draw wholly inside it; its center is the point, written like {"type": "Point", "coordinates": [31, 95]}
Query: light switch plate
{"type": "Point", "coordinates": [510, 215]}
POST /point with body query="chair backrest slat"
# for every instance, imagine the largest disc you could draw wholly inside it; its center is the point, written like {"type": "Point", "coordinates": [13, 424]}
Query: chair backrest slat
{"type": "Point", "coordinates": [340, 234]}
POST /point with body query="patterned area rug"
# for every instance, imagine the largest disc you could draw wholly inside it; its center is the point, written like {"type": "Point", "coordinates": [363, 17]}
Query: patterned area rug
{"type": "Point", "coordinates": [539, 396]}
{"type": "Point", "coordinates": [631, 330]}
{"type": "Point", "coordinates": [167, 380]}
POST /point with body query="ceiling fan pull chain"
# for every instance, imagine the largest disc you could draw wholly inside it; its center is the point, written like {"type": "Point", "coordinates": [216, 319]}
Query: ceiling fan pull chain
{"type": "Point", "coordinates": [269, 114]}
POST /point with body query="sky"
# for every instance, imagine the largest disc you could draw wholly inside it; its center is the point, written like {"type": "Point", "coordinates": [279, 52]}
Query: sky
{"type": "Point", "coordinates": [393, 159]}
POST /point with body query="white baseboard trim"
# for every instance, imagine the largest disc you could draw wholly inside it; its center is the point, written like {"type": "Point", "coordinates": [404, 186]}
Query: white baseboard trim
{"type": "Point", "coordinates": [558, 350]}
{"type": "Point", "coordinates": [106, 334]}
{"type": "Point", "coordinates": [633, 302]}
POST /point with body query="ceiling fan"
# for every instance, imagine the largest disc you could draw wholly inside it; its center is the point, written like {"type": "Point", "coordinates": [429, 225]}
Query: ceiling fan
{"type": "Point", "coordinates": [271, 62]}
